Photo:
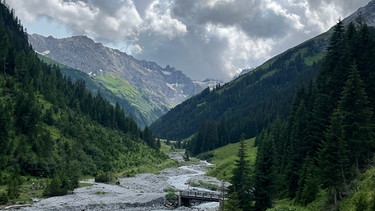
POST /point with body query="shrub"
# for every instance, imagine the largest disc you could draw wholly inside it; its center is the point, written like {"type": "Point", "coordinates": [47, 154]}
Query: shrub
{"type": "Point", "coordinates": [103, 177]}
{"type": "Point", "coordinates": [3, 198]}
{"type": "Point", "coordinates": [55, 188]}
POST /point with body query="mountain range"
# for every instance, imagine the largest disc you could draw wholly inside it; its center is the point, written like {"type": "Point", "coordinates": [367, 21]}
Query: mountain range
{"type": "Point", "coordinates": [246, 105]}
{"type": "Point", "coordinates": [147, 90]}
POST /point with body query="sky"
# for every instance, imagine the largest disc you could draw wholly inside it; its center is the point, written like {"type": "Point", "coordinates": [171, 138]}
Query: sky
{"type": "Point", "coordinates": [212, 39]}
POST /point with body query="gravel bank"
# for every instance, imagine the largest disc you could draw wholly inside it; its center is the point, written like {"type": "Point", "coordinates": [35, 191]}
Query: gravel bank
{"type": "Point", "coordinates": [142, 192]}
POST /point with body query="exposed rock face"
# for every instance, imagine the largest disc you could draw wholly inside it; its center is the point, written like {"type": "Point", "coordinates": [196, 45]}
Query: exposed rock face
{"type": "Point", "coordinates": [367, 12]}
{"type": "Point", "coordinates": [161, 88]}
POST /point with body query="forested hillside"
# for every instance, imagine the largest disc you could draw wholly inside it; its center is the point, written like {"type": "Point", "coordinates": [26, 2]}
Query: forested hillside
{"type": "Point", "coordinates": [52, 127]}
{"type": "Point", "coordinates": [328, 140]}
{"type": "Point", "coordinates": [247, 104]}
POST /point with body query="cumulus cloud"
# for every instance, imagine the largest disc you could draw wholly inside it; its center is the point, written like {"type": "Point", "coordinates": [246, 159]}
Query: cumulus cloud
{"type": "Point", "coordinates": [204, 39]}
{"type": "Point", "coordinates": [158, 16]}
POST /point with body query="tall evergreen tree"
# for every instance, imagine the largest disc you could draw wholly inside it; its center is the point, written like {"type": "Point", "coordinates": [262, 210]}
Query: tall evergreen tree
{"type": "Point", "coordinates": [241, 181]}
{"type": "Point", "coordinates": [332, 156]}
{"type": "Point", "coordinates": [264, 174]}
{"type": "Point", "coordinates": [357, 115]}
{"type": "Point", "coordinates": [329, 82]}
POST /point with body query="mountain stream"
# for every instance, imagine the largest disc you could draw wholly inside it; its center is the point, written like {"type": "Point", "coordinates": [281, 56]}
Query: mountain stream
{"type": "Point", "coordinates": [141, 192]}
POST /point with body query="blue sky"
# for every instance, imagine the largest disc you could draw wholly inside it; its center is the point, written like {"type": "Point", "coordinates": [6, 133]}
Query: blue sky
{"type": "Point", "coordinates": [204, 39]}
{"type": "Point", "coordinates": [46, 26]}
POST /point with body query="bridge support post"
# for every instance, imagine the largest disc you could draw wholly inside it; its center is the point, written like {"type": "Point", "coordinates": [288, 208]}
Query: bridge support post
{"type": "Point", "coordinates": [179, 199]}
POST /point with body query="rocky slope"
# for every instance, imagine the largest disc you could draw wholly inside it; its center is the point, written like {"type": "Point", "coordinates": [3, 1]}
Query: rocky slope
{"type": "Point", "coordinates": [367, 13]}
{"type": "Point", "coordinates": [150, 88]}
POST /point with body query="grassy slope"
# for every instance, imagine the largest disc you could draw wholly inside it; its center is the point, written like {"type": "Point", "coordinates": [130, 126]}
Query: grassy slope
{"type": "Point", "coordinates": [224, 159]}
{"type": "Point", "coordinates": [123, 89]}
{"type": "Point", "coordinates": [115, 90]}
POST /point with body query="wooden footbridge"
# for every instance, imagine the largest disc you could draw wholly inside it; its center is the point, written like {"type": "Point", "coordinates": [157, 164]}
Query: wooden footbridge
{"type": "Point", "coordinates": [187, 196]}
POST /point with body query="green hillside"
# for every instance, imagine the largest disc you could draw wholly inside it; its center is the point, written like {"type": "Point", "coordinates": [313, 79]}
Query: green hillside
{"type": "Point", "coordinates": [142, 111]}
{"type": "Point", "coordinates": [54, 130]}
{"type": "Point", "coordinates": [246, 104]}
{"type": "Point", "coordinates": [224, 158]}
{"type": "Point", "coordinates": [115, 90]}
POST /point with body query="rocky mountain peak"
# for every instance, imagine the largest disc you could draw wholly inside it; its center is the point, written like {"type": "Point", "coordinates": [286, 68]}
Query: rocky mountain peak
{"type": "Point", "coordinates": [162, 88]}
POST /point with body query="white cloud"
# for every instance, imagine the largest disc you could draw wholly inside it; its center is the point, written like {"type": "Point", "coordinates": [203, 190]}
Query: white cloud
{"type": "Point", "coordinates": [203, 38]}
{"type": "Point", "coordinates": [158, 17]}
{"type": "Point", "coordinates": [293, 18]}
{"type": "Point", "coordinates": [136, 49]}
{"type": "Point", "coordinates": [327, 12]}
{"type": "Point", "coordinates": [239, 50]}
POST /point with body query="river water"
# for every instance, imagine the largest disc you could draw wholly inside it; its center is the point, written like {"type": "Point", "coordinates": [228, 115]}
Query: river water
{"type": "Point", "coordinates": [141, 192]}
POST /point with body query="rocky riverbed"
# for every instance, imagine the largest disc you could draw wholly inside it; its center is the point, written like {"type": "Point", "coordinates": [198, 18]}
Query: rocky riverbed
{"type": "Point", "coordinates": [141, 192]}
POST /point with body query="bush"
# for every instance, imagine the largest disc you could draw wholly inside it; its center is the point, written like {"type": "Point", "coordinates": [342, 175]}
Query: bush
{"type": "Point", "coordinates": [3, 198]}
{"type": "Point", "coordinates": [13, 189]}
{"type": "Point", "coordinates": [61, 185]}
{"type": "Point", "coordinates": [171, 194]}
{"type": "Point", "coordinates": [55, 188]}
{"type": "Point", "coordinates": [206, 156]}
{"type": "Point", "coordinates": [103, 177]}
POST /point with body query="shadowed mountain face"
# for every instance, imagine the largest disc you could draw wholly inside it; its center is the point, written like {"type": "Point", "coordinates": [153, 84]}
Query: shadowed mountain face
{"type": "Point", "coordinates": [150, 89]}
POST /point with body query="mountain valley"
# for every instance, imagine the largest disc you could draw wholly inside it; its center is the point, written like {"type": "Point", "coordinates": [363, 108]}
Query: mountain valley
{"type": "Point", "coordinates": [83, 125]}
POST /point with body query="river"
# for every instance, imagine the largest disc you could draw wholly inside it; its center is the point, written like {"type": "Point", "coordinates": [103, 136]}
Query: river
{"type": "Point", "coordinates": [141, 192]}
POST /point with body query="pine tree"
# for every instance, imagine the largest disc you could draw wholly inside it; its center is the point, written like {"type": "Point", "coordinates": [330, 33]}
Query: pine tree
{"type": "Point", "coordinates": [357, 116]}
{"type": "Point", "coordinates": [308, 183]}
{"type": "Point", "coordinates": [332, 157]}
{"type": "Point", "coordinates": [264, 174]}
{"type": "Point", "coordinates": [241, 181]}
{"type": "Point", "coordinates": [329, 82]}
{"type": "Point", "coordinates": [232, 203]}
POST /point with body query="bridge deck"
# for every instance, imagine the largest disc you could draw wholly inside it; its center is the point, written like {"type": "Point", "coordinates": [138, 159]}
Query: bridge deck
{"type": "Point", "coordinates": [186, 196]}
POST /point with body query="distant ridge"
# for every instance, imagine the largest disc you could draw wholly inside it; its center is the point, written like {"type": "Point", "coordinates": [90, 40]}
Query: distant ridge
{"type": "Point", "coordinates": [150, 89]}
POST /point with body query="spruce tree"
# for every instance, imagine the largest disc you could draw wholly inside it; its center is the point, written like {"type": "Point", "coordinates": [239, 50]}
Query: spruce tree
{"type": "Point", "coordinates": [241, 181]}
{"type": "Point", "coordinates": [357, 124]}
{"type": "Point", "coordinates": [329, 82]}
{"type": "Point", "coordinates": [332, 157]}
{"type": "Point", "coordinates": [264, 174]}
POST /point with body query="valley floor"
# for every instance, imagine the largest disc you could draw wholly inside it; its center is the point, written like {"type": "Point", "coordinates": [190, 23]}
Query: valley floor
{"type": "Point", "coordinates": [142, 192]}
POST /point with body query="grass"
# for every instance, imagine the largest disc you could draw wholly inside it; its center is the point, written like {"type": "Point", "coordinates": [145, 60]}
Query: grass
{"type": "Point", "coordinates": [149, 168]}
{"type": "Point", "coordinates": [165, 147]}
{"type": "Point", "coordinates": [31, 188]}
{"type": "Point", "coordinates": [225, 157]}
{"type": "Point", "coordinates": [84, 184]}
{"type": "Point", "coordinates": [309, 60]}
{"type": "Point", "coordinates": [363, 196]}
{"type": "Point", "coordinates": [206, 185]}
{"type": "Point", "coordinates": [123, 89]}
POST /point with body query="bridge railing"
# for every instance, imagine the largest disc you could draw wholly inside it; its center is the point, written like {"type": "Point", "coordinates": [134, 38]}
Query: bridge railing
{"type": "Point", "coordinates": [200, 194]}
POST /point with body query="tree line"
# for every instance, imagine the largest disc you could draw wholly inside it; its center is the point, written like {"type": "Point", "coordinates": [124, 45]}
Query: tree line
{"type": "Point", "coordinates": [328, 139]}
